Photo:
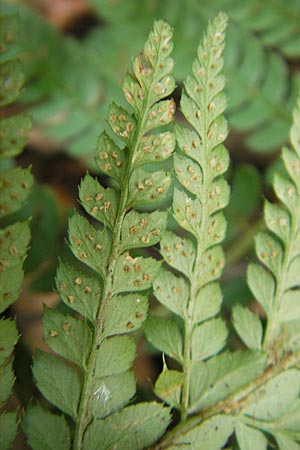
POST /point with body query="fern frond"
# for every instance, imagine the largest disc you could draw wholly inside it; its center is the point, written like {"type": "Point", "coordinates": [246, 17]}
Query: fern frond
{"type": "Point", "coordinates": [191, 293]}
{"type": "Point", "coordinates": [15, 186]}
{"type": "Point", "coordinates": [112, 298]}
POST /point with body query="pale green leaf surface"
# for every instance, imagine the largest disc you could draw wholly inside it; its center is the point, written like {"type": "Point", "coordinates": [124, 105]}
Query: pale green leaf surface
{"type": "Point", "coordinates": [290, 420]}
{"type": "Point", "coordinates": [46, 431]}
{"type": "Point", "coordinates": [178, 252]}
{"type": "Point", "coordinates": [189, 174]}
{"type": "Point", "coordinates": [264, 405]}
{"type": "Point", "coordinates": [285, 442]}
{"type": "Point", "coordinates": [125, 314]}
{"type": "Point", "coordinates": [293, 273]}
{"type": "Point", "coordinates": [8, 427]}
{"type": "Point", "coordinates": [115, 355]}
{"type": "Point", "coordinates": [249, 438]}
{"type": "Point", "coordinates": [277, 220]}
{"type": "Point", "coordinates": [78, 290]}
{"type": "Point", "coordinates": [148, 187]}
{"type": "Point", "coordinates": [290, 306]}
{"type": "Point", "coordinates": [8, 338]}
{"type": "Point", "coordinates": [133, 428]}
{"type": "Point", "coordinates": [89, 245]}
{"type": "Point", "coordinates": [122, 123]}
{"type": "Point", "coordinates": [172, 291]}
{"type": "Point", "coordinates": [67, 336]}
{"type": "Point", "coordinates": [99, 202]}
{"type": "Point", "coordinates": [165, 335]}
{"type": "Point", "coordinates": [248, 326]}
{"type": "Point", "coordinates": [111, 393]}
{"type": "Point", "coordinates": [168, 387]}
{"type": "Point", "coordinates": [208, 339]}
{"type": "Point", "coordinates": [160, 114]}
{"type": "Point", "coordinates": [208, 302]}
{"type": "Point", "coordinates": [262, 285]}
{"type": "Point", "coordinates": [134, 274]}
{"type": "Point", "coordinates": [10, 284]}
{"type": "Point", "coordinates": [187, 212]}
{"type": "Point", "coordinates": [110, 159]}
{"type": "Point", "coordinates": [285, 191]}
{"type": "Point", "coordinates": [59, 383]}
{"type": "Point", "coordinates": [211, 266]}
{"type": "Point", "coordinates": [15, 186]}
{"type": "Point", "coordinates": [7, 380]}
{"type": "Point", "coordinates": [219, 377]}
{"type": "Point", "coordinates": [143, 229]}
{"type": "Point", "coordinates": [13, 135]}
{"type": "Point", "coordinates": [210, 435]}
{"type": "Point", "coordinates": [269, 251]}
{"type": "Point", "coordinates": [154, 148]}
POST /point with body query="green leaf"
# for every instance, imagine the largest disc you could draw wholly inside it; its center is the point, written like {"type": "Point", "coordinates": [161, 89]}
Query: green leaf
{"type": "Point", "coordinates": [264, 405]}
{"type": "Point", "coordinates": [269, 251]}
{"type": "Point", "coordinates": [293, 275]}
{"type": "Point", "coordinates": [11, 81]}
{"type": "Point", "coordinates": [122, 123]}
{"type": "Point", "coordinates": [189, 174]}
{"type": "Point", "coordinates": [162, 113]}
{"type": "Point", "coordinates": [59, 383]}
{"type": "Point", "coordinates": [134, 274]}
{"type": "Point", "coordinates": [208, 302]}
{"type": "Point", "coordinates": [208, 339]}
{"type": "Point", "coordinates": [277, 220]}
{"type": "Point", "coordinates": [246, 191]}
{"type": "Point", "coordinates": [78, 290]}
{"type": "Point", "coordinates": [285, 442]}
{"type": "Point", "coordinates": [67, 336]}
{"type": "Point", "coordinates": [13, 135]}
{"type": "Point", "coordinates": [125, 314]}
{"type": "Point", "coordinates": [178, 252]}
{"type": "Point", "coordinates": [221, 376]}
{"type": "Point", "coordinates": [148, 187]}
{"type": "Point", "coordinates": [110, 159]}
{"type": "Point", "coordinates": [9, 428]}
{"type": "Point", "coordinates": [262, 285]}
{"type": "Point", "coordinates": [143, 229]}
{"type": "Point", "coordinates": [111, 393]}
{"type": "Point", "coordinates": [172, 291]}
{"type": "Point", "coordinates": [15, 185]}
{"type": "Point", "coordinates": [212, 434]}
{"type": "Point", "coordinates": [133, 428]}
{"type": "Point", "coordinates": [8, 338]}
{"type": "Point", "coordinates": [89, 245]}
{"type": "Point", "coordinates": [99, 202]}
{"type": "Point", "coordinates": [7, 380]}
{"type": "Point", "coordinates": [46, 431]}
{"type": "Point", "coordinates": [115, 355]}
{"type": "Point", "coordinates": [9, 34]}
{"type": "Point", "coordinates": [285, 191]}
{"type": "Point", "coordinates": [187, 212]}
{"type": "Point", "coordinates": [154, 148]}
{"type": "Point", "coordinates": [168, 387]}
{"type": "Point", "coordinates": [248, 326]}
{"type": "Point", "coordinates": [165, 335]}
{"type": "Point", "coordinates": [249, 438]}
{"type": "Point", "coordinates": [289, 306]}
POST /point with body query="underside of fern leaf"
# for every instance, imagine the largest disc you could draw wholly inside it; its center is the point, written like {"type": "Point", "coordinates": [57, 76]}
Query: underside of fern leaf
{"type": "Point", "coordinates": [191, 290]}
{"type": "Point", "coordinates": [15, 186]}
{"type": "Point", "coordinates": [109, 293]}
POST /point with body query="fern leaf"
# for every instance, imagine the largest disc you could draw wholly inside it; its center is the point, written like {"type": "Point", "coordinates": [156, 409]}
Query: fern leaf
{"type": "Point", "coordinates": [112, 296]}
{"type": "Point", "coordinates": [15, 186]}
{"type": "Point", "coordinates": [196, 204]}
{"type": "Point", "coordinates": [275, 283]}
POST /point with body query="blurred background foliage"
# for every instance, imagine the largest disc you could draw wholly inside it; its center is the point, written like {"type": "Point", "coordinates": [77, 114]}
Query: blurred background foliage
{"type": "Point", "coordinates": [75, 54]}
